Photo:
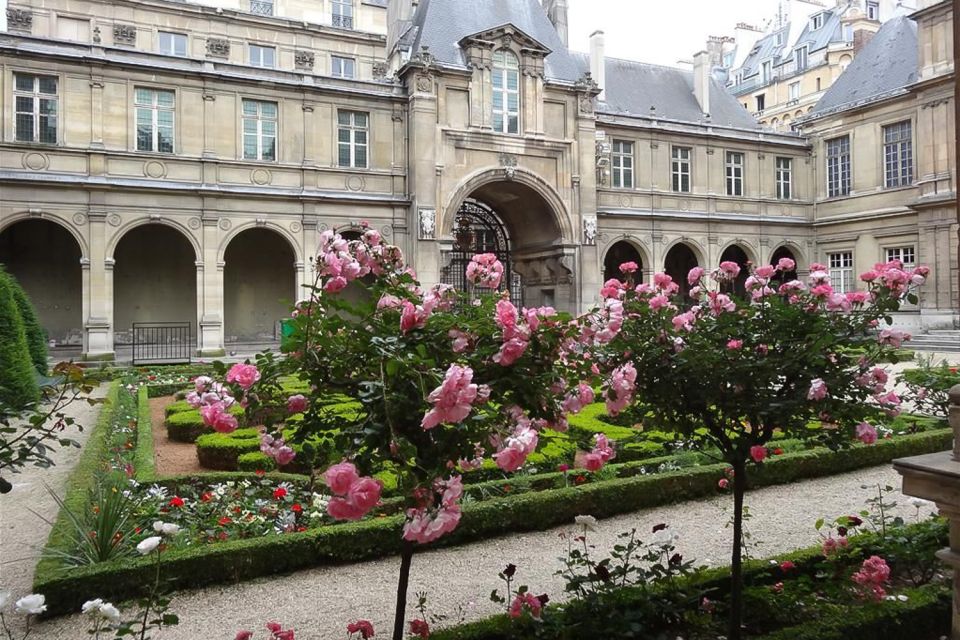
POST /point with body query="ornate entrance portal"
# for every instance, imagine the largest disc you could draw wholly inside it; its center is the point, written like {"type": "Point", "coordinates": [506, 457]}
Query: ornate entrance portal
{"type": "Point", "coordinates": [478, 229]}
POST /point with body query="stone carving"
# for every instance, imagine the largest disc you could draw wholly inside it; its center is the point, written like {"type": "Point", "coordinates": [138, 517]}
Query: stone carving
{"type": "Point", "coordinates": [97, 38]}
{"type": "Point", "coordinates": [296, 227]}
{"type": "Point", "coordinates": [218, 48]}
{"type": "Point", "coordinates": [260, 177]}
{"type": "Point", "coordinates": [380, 70]}
{"type": "Point", "coordinates": [355, 183]}
{"type": "Point", "coordinates": [194, 223]}
{"type": "Point", "coordinates": [428, 224]}
{"type": "Point", "coordinates": [124, 34]}
{"type": "Point", "coordinates": [114, 220]}
{"type": "Point", "coordinates": [304, 60]}
{"type": "Point", "coordinates": [424, 84]}
{"type": "Point", "coordinates": [423, 57]}
{"type": "Point", "coordinates": [79, 219]}
{"type": "Point", "coordinates": [590, 230]}
{"type": "Point", "coordinates": [225, 224]}
{"type": "Point", "coordinates": [19, 20]}
{"type": "Point", "coordinates": [509, 163]}
{"type": "Point", "coordinates": [36, 161]}
{"type": "Point", "coordinates": [154, 169]}
{"type": "Point", "coordinates": [586, 105]}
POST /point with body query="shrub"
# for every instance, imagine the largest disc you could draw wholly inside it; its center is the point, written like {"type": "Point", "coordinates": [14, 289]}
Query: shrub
{"type": "Point", "coordinates": [18, 377]}
{"type": "Point", "coordinates": [187, 426]}
{"type": "Point", "coordinates": [928, 385]}
{"type": "Point", "coordinates": [36, 336]}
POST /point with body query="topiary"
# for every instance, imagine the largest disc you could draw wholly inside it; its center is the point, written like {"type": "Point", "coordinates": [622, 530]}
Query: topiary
{"type": "Point", "coordinates": [36, 336]}
{"type": "Point", "coordinates": [18, 380]}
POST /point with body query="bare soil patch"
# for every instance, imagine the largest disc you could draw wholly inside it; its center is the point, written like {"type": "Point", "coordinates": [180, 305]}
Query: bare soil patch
{"type": "Point", "coordinates": [172, 458]}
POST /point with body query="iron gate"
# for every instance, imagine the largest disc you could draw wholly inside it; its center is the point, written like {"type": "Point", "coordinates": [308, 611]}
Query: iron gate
{"type": "Point", "coordinates": [162, 342]}
{"type": "Point", "coordinates": [477, 229]}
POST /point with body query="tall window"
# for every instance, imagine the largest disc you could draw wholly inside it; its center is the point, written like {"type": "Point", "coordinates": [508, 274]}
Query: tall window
{"type": "Point", "coordinates": [873, 10]}
{"type": "Point", "coordinates": [794, 91]}
{"type": "Point", "coordinates": [623, 164]}
{"type": "Point", "coordinates": [898, 154]}
{"type": "Point", "coordinates": [680, 169]}
{"type": "Point", "coordinates": [906, 255]}
{"type": "Point", "coordinates": [343, 67]}
{"type": "Point", "coordinates": [838, 167]}
{"type": "Point", "coordinates": [761, 102]}
{"type": "Point", "coordinates": [36, 100]}
{"type": "Point", "coordinates": [817, 21]}
{"type": "Point", "coordinates": [172, 44]}
{"type": "Point", "coordinates": [784, 178]}
{"type": "Point", "coordinates": [343, 14]}
{"type": "Point", "coordinates": [352, 138]}
{"type": "Point", "coordinates": [841, 271]}
{"type": "Point", "coordinates": [734, 173]}
{"type": "Point", "coordinates": [261, 56]}
{"type": "Point", "coordinates": [803, 58]}
{"type": "Point", "coordinates": [766, 71]}
{"type": "Point", "coordinates": [259, 130]}
{"type": "Point", "coordinates": [506, 92]}
{"type": "Point", "coordinates": [155, 114]}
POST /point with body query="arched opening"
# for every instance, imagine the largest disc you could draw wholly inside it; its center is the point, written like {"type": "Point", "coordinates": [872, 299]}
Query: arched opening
{"type": "Point", "coordinates": [786, 276]}
{"type": "Point", "coordinates": [478, 229]}
{"type": "Point", "coordinates": [45, 258]}
{"type": "Point", "coordinates": [678, 263]}
{"type": "Point", "coordinates": [735, 253]}
{"type": "Point", "coordinates": [154, 280]}
{"type": "Point", "coordinates": [259, 286]}
{"type": "Point", "coordinates": [617, 254]}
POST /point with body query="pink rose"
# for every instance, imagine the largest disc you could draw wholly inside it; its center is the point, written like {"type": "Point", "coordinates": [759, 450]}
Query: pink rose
{"type": "Point", "coordinates": [296, 403]}
{"type": "Point", "coordinates": [526, 601]}
{"type": "Point", "coordinates": [592, 462]}
{"type": "Point", "coordinates": [454, 398]}
{"type": "Point", "coordinates": [735, 345]}
{"type": "Point", "coordinates": [694, 276]}
{"type": "Point", "coordinates": [364, 493]}
{"type": "Point", "coordinates": [210, 412]}
{"type": "Point", "coordinates": [758, 453]}
{"type": "Point", "coordinates": [343, 509]}
{"type": "Point", "coordinates": [510, 459]}
{"type": "Point", "coordinates": [245, 375]}
{"type": "Point", "coordinates": [363, 627]}
{"type": "Point", "coordinates": [723, 483]}
{"type": "Point", "coordinates": [866, 433]}
{"type": "Point", "coordinates": [786, 264]}
{"type": "Point", "coordinates": [510, 352]}
{"type": "Point", "coordinates": [284, 455]}
{"type": "Point", "coordinates": [628, 267]}
{"type": "Point", "coordinates": [340, 477]}
{"type": "Point", "coordinates": [225, 423]}
{"type": "Point", "coordinates": [243, 635]}
{"type": "Point", "coordinates": [766, 271]}
{"type": "Point", "coordinates": [818, 389]}
{"type": "Point", "coordinates": [485, 270]}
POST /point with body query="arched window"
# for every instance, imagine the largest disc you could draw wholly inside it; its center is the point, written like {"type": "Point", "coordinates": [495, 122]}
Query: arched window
{"type": "Point", "coordinates": [506, 92]}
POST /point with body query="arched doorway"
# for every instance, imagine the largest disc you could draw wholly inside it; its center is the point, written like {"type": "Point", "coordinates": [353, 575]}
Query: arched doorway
{"type": "Point", "coordinates": [735, 253]}
{"type": "Point", "coordinates": [678, 263]}
{"type": "Point", "coordinates": [786, 276]}
{"type": "Point", "coordinates": [478, 229]}
{"type": "Point", "coordinates": [45, 258]}
{"type": "Point", "coordinates": [259, 285]}
{"type": "Point", "coordinates": [618, 253]}
{"type": "Point", "coordinates": [154, 279]}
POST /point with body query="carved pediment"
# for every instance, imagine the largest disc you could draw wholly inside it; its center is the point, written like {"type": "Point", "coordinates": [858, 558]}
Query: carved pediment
{"type": "Point", "coordinates": [508, 36]}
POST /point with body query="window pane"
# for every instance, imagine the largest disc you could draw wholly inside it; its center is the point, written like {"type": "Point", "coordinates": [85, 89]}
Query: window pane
{"type": "Point", "coordinates": [343, 117]}
{"type": "Point", "coordinates": [498, 122]}
{"type": "Point", "coordinates": [249, 108]}
{"type": "Point", "coordinates": [498, 101]}
{"type": "Point", "coordinates": [268, 109]}
{"type": "Point", "coordinates": [144, 138]}
{"type": "Point", "coordinates": [249, 147]}
{"type": "Point", "coordinates": [360, 137]}
{"type": "Point", "coordinates": [343, 136]}
{"type": "Point", "coordinates": [361, 156]}
{"type": "Point", "coordinates": [343, 158]}
{"type": "Point", "coordinates": [48, 107]}
{"type": "Point", "coordinates": [24, 82]}
{"type": "Point", "coordinates": [165, 140]}
{"type": "Point", "coordinates": [270, 149]}
{"type": "Point", "coordinates": [361, 120]}
{"type": "Point", "coordinates": [48, 84]}
{"type": "Point", "coordinates": [142, 96]}
{"type": "Point", "coordinates": [268, 128]}
{"type": "Point", "coordinates": [25, 127]}
{"type": "Point", "coordinates": [165, 98]}
{"type": "Point", "coordinates": [513, 81]}
{"type": "Point", "coordinates": [513, 102]}
{"type": "Point", "coordinates": [249, 126]}
{"type": "Point", "coordinates": [165, 118]}
{"type": "Point", "coordinates": [514, 125]}
{"type": "Point", "coordinates": [497, 80]}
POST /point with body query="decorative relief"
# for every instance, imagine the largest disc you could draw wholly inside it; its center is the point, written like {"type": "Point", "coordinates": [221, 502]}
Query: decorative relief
{"type": "Point", "coordinates": [397, 113]}
{"type": "Point", "coordinates": [35, 161]}
{"type": "Point", "coordinates": [424, 84]}
{"type": "Point", "coordinates": [124, 34]}
{"type": "Point", "coordinates": [19, 20]}
{"type": "Point", "coordinates": [218, 48]}
{"type": "Point", "coordinates": [225, 224]}
{"type": "Point", "coordinates": [509, 163]}
{"type": "Point", "coordinates": [296, 227]}
{"type": "Point", "coordinates": [155, 169]}
{"type": "Point", "coordinates": [355, 183]}
{"type": "Point", "coordinates": [304, 59]}
{"type": "Point", "coordinates": [114, 220]}
{"type": "Point", "coordinates": [590, 230]}
{"type": "Point", "coordinates": [685, 205]}
{"type": "Point", "coordinates": [194, 223]}
{"type": "Point", "coordinates": [586, 105]}
{"type": "Point", "coordinates": [625, 201]}
{"type": "Point", "coordinates": [380, 70]}
{"type": "Point", "coordinates": [260, 177]}
{"type": "Point", "coordinates": [97, 38]}
{"type": "Point", "coordinates": [386, 231]}
{"type": "Point", "coordinates": [428, 224]}
{"type": "Point", "coordinates": [79, 219]}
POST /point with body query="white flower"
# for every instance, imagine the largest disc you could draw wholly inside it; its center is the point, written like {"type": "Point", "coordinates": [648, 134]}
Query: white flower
{"type": "Point", "coordinates": [166, 528]}
{"type": "Point", "coordinates": [110, 612]}
{"type": "Point", "coordinates": [664, 537]}
{"type": "Point", "coordinates": [148, 545]}
{"type": "Point", "coordinates": [32, 604]}
{"type": "Point", "coordinates": [902, 598]}
{"type": "Point", "coordinates": [589, 523]}
{"type": "Point", "coordinates": [92, 606]}
{"type": "Point", "coordinates": [919, 503]}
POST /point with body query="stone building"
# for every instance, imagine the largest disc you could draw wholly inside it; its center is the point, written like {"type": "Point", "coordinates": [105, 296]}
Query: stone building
{"type": "Point", "coordinates": [171, 161]}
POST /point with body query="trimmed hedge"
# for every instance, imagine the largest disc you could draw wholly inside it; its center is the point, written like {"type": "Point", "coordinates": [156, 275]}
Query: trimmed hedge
{"type": "Point", "coordinates": [380, 536]}
{"type": "Point", "coordinates": [144, 462]}
{"type": "Point", "coordinates": [18, 377]}
{"type": "Point", "coordinates": [188, 426]}
{"type": "Point", "coordinates": [36, 335]}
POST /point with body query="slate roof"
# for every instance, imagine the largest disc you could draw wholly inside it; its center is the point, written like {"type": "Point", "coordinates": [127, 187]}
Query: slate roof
{"type": "Point", "coordinates": [888, 64]}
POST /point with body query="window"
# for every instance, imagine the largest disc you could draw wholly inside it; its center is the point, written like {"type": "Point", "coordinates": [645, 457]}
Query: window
{"type": "Point", "coordinates": [259, 130]}
{"type": "Point", "coordinates": [818, 84]}
{"type": "Point", "coordinates": [155, 113]}
{"type": "Point", "coordinates": [734, 173]}
{"type": "Point", "coordinates": [794, 91]}
{"type": "Point", "coordinates": [506, 92]}
{"type": "Point", "coordinates": [765, 71]}
{"type": "Point", "coordinates": [817, 21]}
{"type": "Point", "coordinates": [803, 57]}
{"type": "Point", "coordinates": [343, 14]}
{"type": "Point", "coordinates": [352, 140]}
{"type": "Point", "coordinates": [623, 164]}
{"type": "Point", "coordinates": [784, 176]}
{"type": "Point", "coordinates": [172, 44]}
{"type": "Point", "coordinates": [680, 169]}
{"type": "Point", "coordinates": [343, 67]}
{"type": "Point", "coordinates": [261, 56]}
{"type": "Point", "coordinates": [898, 154]}
{"type": "Point", "coordinates": [841, 271]}
{"type": "Point", "coordinates": [761, 102]}
{"type": "Point", "coordinates": [36, 100]}
{"type": "Point", "coordinates": [261, 7]}
{"type": "Point", "coordinates": [873, 10]}
{"type": "Point", "coordinates": [906, 255]}
{"type": "Point", "coordinates": [838, 167]}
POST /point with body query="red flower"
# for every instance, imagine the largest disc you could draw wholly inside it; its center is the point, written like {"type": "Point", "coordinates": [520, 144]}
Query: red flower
{"type": "Point", "coordinates": [151, 378]}
{"type": "Point", "coordinates": [420, 628]}
{"type": "Point", "coordinates": [224, 521]}
{"type": "Point", "coordinates": [723, 483]}
{"type": "Point", "coordinates": [778, 451]}
{"type": "Point", "coordinates": [563, 468]}
{"type": "Point", "coordinates": [176, 501]}
{"type": "Point", "coordinates": [296, 508]}
{"type": "Point", "coordinates": [260, 472]}
{"type": "Point", "coordinates": [206, 496]}
{"type": "Point", "coordinates": [580, 479]}
{"type": "Point", "coordinates": [279, 493]}
{"type": "Point", "coordinates": [363, 627]}
{"type": "Point", "coordinates": [786, 565]}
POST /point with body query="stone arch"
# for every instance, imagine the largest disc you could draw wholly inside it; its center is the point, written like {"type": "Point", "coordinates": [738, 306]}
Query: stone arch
{"type": "Point", "coordinates": [45, 256]}
{"type": "Point", "coordinates": [798, 114]}
{"type": "Point", "coordinates": [126, 228]}
{"type": "Point", "coordinates": [737, 251]}
{"type": "Point", "coordinates": [784, 251]}
{"type": "Point", "coordinates": [678, 259]}
{"type": "Point", "coordinates": [796, 251]}
{"type": "Point", "coordinates": [745, 246]}
{"type": "Point", "coordinates": [72, 229]}
{"type": "Point", "coordinates": [645, 263]}
{"type": "Point", "coordinates": [290, 238]}
{"type": "Point", "coordinates": [259, 283]}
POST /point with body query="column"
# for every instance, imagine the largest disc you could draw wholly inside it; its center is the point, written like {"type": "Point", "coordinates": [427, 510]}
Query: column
{"type": "Point", "coordinates": [98, 293]}
{"type": "Point", "coordinates": [210, 293]}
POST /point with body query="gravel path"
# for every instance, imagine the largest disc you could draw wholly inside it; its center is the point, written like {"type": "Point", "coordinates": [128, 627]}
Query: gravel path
{"type": "Point", "coordinates": [22, 532]}
{"type": "Point", "coordinates": [319, 603]}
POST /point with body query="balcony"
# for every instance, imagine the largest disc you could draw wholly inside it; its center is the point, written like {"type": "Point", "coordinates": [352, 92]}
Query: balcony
{"type": "Point", "coordinates": [342, 21]}
{"type": "Point", "coordinates": [261, 7]}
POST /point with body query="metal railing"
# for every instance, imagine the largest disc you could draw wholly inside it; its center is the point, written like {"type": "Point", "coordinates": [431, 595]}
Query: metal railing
{"type": "Point", "coordinates": [261, 7]}
{"type": "Point", "coordinates": [342, 21]}
{"type": "Point", "coordinates": [162, 342]}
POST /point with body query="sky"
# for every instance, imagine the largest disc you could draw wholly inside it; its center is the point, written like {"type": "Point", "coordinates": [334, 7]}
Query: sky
{"type": "Point", "coordinates": [661, 31]}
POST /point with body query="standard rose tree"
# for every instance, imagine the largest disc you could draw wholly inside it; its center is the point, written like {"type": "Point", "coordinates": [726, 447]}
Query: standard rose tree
{"type": "Point", "coordinates": [734, 371]}
{"type": "Point", "coordinates": [446, 382]}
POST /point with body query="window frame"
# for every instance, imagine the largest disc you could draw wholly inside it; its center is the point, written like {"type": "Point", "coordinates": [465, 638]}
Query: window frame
{"type": "Point", "coordinates": [783, 177]}
{"type": "Point", "coordinates": [503, 72]}
{"type": "Point", "coordinates": [838, 168]}
{"type": "Point", "coordinates": [897, 154]}
{"type": "Point", "coordinates": [155, 109]}
{"type": "Point", "coordinates": [261, 48]}
{"type": "Point", "coordinates": [899, 252]}
{"type": "Point", "coordinates": [873, 6]}
{"type": "Point", "coordinates": [342, 13]}
{"type": "Point", "coordinates": [622, 164]}
{"type": "Point", "coordinates": [817, 21]}
{"type": "Point", "coordinates": [841, 270]}
{"type": "Point", "coordinates": [36, 97]}
{"type": "Point", "coordinates": [734, 169]}
{"type": "Point", "coordinates": [802, 53]}
{"type": "Point", "coordinates": [681, 168]}
{"type": "Point", "coordinates": [260, 119]}
{"type": "Point", "coordinates": [793, 91]}
{"type": "Point", "coordinates": [353, 128]}
{"type": "Point", "coordinates": [335, 59]}
{"type": "Point", "coordinates": [175, 35]}
{"type": "Point", "coordinates": [761, 102]}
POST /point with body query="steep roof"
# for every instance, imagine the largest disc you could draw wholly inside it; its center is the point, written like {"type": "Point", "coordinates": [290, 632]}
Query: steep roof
{"type": "Point", "coordinates": [888, 64]}
{"type": "Point", "coordinates": [633, 87]}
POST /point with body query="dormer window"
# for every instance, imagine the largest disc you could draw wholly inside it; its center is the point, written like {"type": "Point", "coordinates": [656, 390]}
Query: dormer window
{"type": "Point", "coordinates": [873, 10]}
{"type": "Point", "coordinates": [506, 92]}
{"type": "Point", "coordinates": [817, 22]}
{"type": "Point", "coordinates": [803, 54]}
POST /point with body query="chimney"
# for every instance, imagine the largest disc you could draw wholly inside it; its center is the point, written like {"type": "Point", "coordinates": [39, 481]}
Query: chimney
{"type": "Point", "coordinates": [598, 63]}
{"type": "Point", "coordinates": [557, 12]}
{"type": "Point", "coordinates": [702, 71]}
{"type": "Point", "coordinates": [862, 28]}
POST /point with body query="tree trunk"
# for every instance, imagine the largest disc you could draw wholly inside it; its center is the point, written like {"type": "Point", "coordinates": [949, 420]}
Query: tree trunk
{"type": "Point", "coordinates": [406, 557]}
{"type": "Point", "coordinates": [736, 559]}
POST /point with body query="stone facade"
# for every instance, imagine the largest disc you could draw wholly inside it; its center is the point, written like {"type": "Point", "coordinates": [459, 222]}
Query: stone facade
{"type": "Point", "coordinates": [193, 186]}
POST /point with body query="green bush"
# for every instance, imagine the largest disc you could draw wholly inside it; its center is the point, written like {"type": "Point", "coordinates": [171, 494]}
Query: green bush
{"type": "Point", "coordinates": [220, 451]}
{"type": "Point", "coordinates": [188, 426]}
{"type": "Point", "coordinates": [18, 377]}
{"type": "Point", "coordinates": [36, 336]}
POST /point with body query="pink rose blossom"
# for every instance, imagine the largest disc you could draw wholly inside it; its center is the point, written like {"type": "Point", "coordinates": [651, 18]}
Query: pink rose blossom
{"type": "Point", "coordinates": [510, 352]}
{"type": "Point", "coordinates": [340, 477]}
{"type": "Point", "coordinates": [758, 453]}
{"type": "Point", "coordinates": [364, 493]}
{"type": "Point", "coordinates": [720, 302]}
{"type": "Point", "coordinates": [296, 403]}
{"type": "Point", "coordinates": [612, 288]}
{"type": "Point", "coordinates": [866, 433]}
{"type": "Point", "coordinates": [341, 509]}
{"type": "Point", "coordinates": [818, 389]}
{"type": "Point", "coordinates": [526, 601]}
{"type": "Point", "coordinates": [659, 302]}
{"type": "Point", "coordinates": [243, 635]}
{"type": "Point", "coordinates": [766, 271]}
{"type": "Point", "coordinates": [735, 345]}
{"type": "Point", "coordinates": [245, 375]}
{"type": "Point", "coordinates": [872, 576]}
{"type": "Point", "coordinates": [629, 267]}
{"type": "Point", "coordinates": [412, 316]}
{"type": "Point", "coordinates": [786, 264]}
{"type": "Point", "coordinates": [225, 423]}
{"type": "Point", "coordinates": [485, 270]}
{"type": "Point", "coordinates": [893, 337]}
{"type": "Point", "coordinates": [620, 389]}
{"type": "Point", "coordinates": [694, 275]}
{"type": "Point", "coordinates": [363, 627]}
{"type": "Point", "coordinates": [453, 399]}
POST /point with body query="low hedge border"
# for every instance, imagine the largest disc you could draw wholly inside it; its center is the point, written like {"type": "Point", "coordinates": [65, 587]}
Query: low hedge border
{"type": "Point", "coordinates": [144, 462]}
{"type": "Point", "coordinates": [188, 426]}
{"type": "Point", "coordinates": [380, 536]}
